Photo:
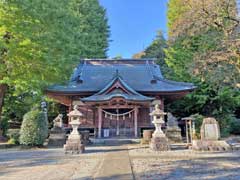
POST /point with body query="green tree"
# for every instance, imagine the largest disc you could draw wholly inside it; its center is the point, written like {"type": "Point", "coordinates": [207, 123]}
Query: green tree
{"type": "Point", "coordinates": [156, 50]}
{"type": "Point", "coordinates": [42, 40]}
{"type": "Point", "coordinates": [204, 49]}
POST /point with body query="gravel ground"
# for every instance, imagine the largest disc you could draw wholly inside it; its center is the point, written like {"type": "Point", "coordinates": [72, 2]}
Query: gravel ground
{"type": "Point", "coordinates": [53, 164]}
{"type": "Point", "coordinates": [184, 164]}
{"type": "Point", "coordinates": [49, 164]}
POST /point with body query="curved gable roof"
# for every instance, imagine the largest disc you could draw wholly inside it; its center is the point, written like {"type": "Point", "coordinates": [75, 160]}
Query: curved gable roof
{"type": "Point", "coordinates": [142, 75]}
{"type": "Point", "coordinates": [117, 88]}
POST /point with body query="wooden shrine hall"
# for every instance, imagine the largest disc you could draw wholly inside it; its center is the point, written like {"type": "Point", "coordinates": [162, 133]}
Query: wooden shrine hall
{"type": "Point", "coordinates": [116, 96]}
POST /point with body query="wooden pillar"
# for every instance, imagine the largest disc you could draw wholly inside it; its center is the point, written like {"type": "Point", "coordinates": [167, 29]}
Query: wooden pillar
{"type": "Point", "coordinates": [118, 131]}
{"type": "Point", "coordinates": [186, 122]}
{"type": "Point", "coordinates": [99, 122]}
{"type": "Point", "coordinates": [162, 104]}
{"type": "Point", "coordinates": [135, 122]}
{"type": "Point", "coordinates": [190, 129]}
{"type": "Point", "coordinates": [69, 110]}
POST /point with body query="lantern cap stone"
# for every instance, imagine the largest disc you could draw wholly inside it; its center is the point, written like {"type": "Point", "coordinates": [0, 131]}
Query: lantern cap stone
{"type": "Point", "coordinates": [75, 112]}
{"type": "Point", "coordinates": [157, 111]}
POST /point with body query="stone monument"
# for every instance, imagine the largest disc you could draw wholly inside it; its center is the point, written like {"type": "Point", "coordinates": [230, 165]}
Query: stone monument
{"type": "Point", "coordinates": [173, 132]}
{"type": "Point", "coordinates": [57, 136]}
{"type": "Point", "coordinates": [210, 135]}
{"type": "Point", "coordinates": [159, 141]}
{"type": "Point", "coordinates": [210, 129]}
{"type": "Point", "coordinates": [74, 142]}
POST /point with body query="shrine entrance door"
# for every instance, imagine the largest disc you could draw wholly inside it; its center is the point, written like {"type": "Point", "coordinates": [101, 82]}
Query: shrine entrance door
{"type": "Point", "coordinates": [118, 122]}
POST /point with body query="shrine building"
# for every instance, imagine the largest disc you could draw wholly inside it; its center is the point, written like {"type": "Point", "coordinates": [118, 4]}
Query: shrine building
{"type": "Point", "coordinates": [116, 96]}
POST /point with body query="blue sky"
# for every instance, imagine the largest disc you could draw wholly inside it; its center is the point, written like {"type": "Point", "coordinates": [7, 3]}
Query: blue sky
{"type": "Point", "coordinates": [133, 24]}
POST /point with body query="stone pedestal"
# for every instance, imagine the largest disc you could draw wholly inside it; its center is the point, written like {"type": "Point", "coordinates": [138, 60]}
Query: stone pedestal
{"type": "Point", "coordinates": [74, 146]}
{"type": "Point", "coordinates": [210, 145]}
{"type": "Point", "coordinates": [159, 144]}
{"type": "Point", "coordinates": [57, 137]}
{"type": "Point", "coordinates": [174, 134]}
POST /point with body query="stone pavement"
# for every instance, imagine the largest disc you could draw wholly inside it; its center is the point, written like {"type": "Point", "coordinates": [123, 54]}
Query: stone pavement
{"type": "Point", "coordinates": [116, 165]}
{"type": "Point", "coordinates": [120, 162]}
{"type": "Point", "coordinates": [99, 162]}
{"type": "Point", "coordinates": [49, 164]}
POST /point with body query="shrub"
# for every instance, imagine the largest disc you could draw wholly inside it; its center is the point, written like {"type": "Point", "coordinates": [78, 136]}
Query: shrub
{"type": "Point", "coordinates": [13, 135]}
{"type": "Point", "coordinates": [235, 126]}
{"type": "Point", "coordinates": [225, 123]}
{"type": "Point", "coordinates": [34, 129]}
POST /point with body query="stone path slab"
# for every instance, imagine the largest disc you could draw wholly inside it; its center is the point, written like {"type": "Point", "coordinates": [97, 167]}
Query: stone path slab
{"type": "Point", "coordinates": [115, 165]}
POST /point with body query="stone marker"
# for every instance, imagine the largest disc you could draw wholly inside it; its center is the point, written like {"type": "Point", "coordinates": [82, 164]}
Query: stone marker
{"type": "Point", "coordinates": [159, 141]}
{"type": "Point", "coordinates": [210, 129]}
{"type": "Point", "coordinates": [173, 132]}
{"type": "Point", "coordinates": [57, 136]}
{"type": "Point", "coordinates": [74, 142]}
{"type": "Point", "coordinates": [210, 134]}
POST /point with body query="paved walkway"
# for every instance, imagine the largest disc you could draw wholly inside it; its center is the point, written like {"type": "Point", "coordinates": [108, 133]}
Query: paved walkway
{"type": "Point", "coordinates": [115, 165]}
{"type": "Point", "coordinates": [100, 163]}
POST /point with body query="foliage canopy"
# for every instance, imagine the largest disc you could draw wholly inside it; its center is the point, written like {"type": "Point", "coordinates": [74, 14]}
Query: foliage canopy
{"type": "Point", "coordinates": [41, 41]}
{"type": "Point", "coordinates": [204, 48]}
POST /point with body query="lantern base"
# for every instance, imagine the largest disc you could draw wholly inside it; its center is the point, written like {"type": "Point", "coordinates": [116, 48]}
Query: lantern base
{"type": "Point", "coordinates": [74, 144]}
{"type": "Point", "coordinates": [74, 147]}
{"type": "Point", "coordinates": [159, 143]}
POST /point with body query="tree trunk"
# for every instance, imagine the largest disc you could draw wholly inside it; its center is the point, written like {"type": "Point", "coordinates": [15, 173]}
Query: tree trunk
{"type": "Point", "coordinates": [3, 88]}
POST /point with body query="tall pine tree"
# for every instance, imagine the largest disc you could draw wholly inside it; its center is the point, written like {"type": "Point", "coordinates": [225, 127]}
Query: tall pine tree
{"type": "Point", "coordinates": [156, 50]}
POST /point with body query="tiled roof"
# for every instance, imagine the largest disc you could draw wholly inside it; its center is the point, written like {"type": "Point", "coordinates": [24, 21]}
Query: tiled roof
{"type": "Point", "coordinates": [141, 75]}
{"type": "Point", "coordinates": [130, 94]}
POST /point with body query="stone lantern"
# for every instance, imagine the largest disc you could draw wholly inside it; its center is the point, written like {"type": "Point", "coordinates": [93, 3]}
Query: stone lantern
{"type": "Point", "coordinates": [159, 141]}
{"type": "Point", "coordinates": [74, 143]}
